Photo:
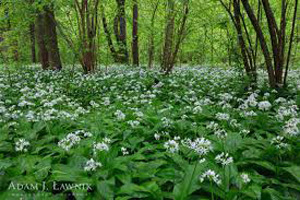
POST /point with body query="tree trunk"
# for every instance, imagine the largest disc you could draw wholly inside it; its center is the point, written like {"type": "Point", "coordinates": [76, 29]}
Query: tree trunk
{"type": "Point", "coordinates": [291, 42]}
{"type": "Point", "coordinates": [41, 43]}
{"type": "Point", "coordinates": [108, 37]}
{"type": "Point", "coordinates": [180, 35]}
{"type": "Point", "coordinates": [169, 32]}
{"type": "Point", "coordinates": [135, 40]}
{"type": "Point", "coordinates": [51, 39]}
{"type": "Point", "coordinates": [120, 32]}
{"type": "Point", "coordinates": [88, 26]}
{"type": "Point", "coordinates": [263, 43]}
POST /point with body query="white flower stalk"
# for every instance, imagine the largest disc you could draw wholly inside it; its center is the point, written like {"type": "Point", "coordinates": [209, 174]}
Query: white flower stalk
{"type": "Point", "coordinates": [22, 145]}
{"type": "Point", "coordinates": [91, 165]}
{"type": "Point", "coordinates": [224, 159]}
{"type": "Point", "coordinates": [210, 175]}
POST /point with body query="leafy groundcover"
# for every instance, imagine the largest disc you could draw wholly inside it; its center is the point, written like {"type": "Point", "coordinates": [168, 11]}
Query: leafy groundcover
{"type": "Point", "coordinates": [121, 134]}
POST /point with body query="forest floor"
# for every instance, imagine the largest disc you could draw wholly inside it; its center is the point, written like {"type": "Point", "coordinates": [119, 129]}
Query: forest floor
{"type": "Point", "coordinates": [199, 133]}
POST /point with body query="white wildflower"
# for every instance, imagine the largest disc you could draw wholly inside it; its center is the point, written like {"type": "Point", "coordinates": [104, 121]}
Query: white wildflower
{"type": "Point", "coordinates": [22, 145]}
{"type": "Point", "coordinates": [211, 176]}
{"type": "Point", "coordinates": [224, 159]}
{"type": "Point", "coordinates": [264, 105]}
{"type": "Point", "coordinates": [120, 115]}
{"type": "Point", "coordinates": [124, 151]}
{"type": "Point", "coordinates": [172, 146]}
{"type": "Point", "coordinates": [245, 178]}
{"type": "Point", "coordinates": [279, 143]}
{"type": "Point", "coordinates": [91, 165]}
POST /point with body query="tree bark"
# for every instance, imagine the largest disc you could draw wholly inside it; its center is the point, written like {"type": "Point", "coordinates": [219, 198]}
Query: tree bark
{"type": "Point", "coordinates": [263, 43]}
{"type": "Point", "coordinates": [52, 43]}
{"type": "Point", "coordinates": [108, 37]}
{"type": "Point", "coordinates": [291, 42]}
{"type": "Point", "coordinates": [135, 39]}
{"type": "Point", "coordinates": [120, 32]}
{"type": "Point", "coordinates": [169, 32]}
{"type": "Point", "coordinates": [41, 43]}
{"type": "Point", "coordinates": [88, 25]}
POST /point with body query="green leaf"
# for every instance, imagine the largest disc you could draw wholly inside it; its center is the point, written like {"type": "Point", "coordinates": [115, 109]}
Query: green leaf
{"type": "Point", "coordinates": [294, 171]}
{"type": "Point", "coordinates": [190, 182]}
{"type": "Point", "coordinates": [105, 189]}
{"type": "Point", "coordinates": [253, 191]}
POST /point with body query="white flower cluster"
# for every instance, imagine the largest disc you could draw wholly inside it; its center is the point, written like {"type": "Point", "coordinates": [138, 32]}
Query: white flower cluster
{"type": "Point", "coordinates": [264, 105]}
{"type": "Point", "coordinates": [22, 145]}
{"type": "Point", "coordinates": [279, 143]}
{"type": "Point", "coordinates": [220, 133]}
{"type": "Point", "coordinates": [291, 127]}
{"type": "Point", "coordinates": [251, 101]}
{"type": "Point", "coordinates": [166, 122]}
{"type": "Point", "coordinates": [287, 112]}
{"type": "Point", "coordinates": [197, 110]}
{"type": "Point", "coordinates": [73, 139]}
{"type": "Point", "coordinates": [224, 159]}
{"type": "Point", "coordinates": [172, 146]}
{"type": "Point", "coordinates": [245, 178]}
{"type": "Point", "coordinates": [201, 145]}
{"type": "Point", "coordinates": [223, 116]}
{"type": "Point", "coordinates": [212, 126]}
{"type": "Point", "coordinates": [101, 146]}
{"type": "Point", "coordinates": [133, 123]}
{"type": "Point", "coordinates": [92, 165]}
{"type": "Point", "coordinates": [120, 115]}
{"type": "Point", "coordinates": [124, 151]}
{"type": "Point", "coordinates": [210, 175]}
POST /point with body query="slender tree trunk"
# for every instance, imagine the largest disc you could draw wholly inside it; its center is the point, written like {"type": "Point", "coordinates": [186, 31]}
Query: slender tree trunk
{"type": "Point", "coordinates": [291, 42]}
{"type": "Point", "coordinates": [168, 47]}
{"type": "Point", "coordinates": [108, 37]}
{"type": "Point", "coordinates": [263, 43]}
{"type": "Point", "coordinates": [135, 40]}
{"type": "Point", "coordinates": [180, 35]}
{"type": "Point", "coordinates": [88, 26]}
{"type": "Point", "coordinates": [120, 32]}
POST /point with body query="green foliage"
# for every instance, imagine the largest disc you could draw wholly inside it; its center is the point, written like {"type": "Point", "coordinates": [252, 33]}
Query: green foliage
{"type": "Point", "coordinates": [44, 108]}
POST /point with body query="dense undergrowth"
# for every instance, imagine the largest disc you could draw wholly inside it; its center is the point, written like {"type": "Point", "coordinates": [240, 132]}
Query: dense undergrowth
{"type": "Point", "coordinates": [199, 133]}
